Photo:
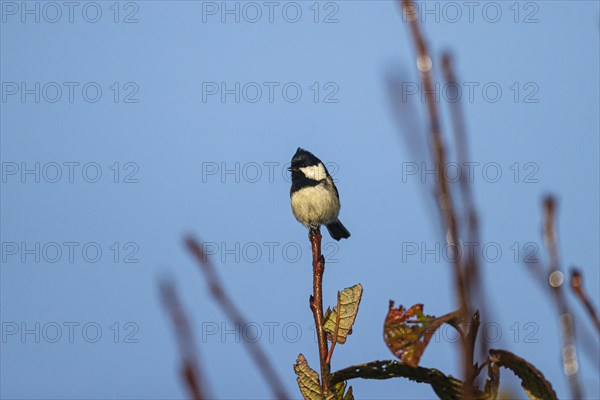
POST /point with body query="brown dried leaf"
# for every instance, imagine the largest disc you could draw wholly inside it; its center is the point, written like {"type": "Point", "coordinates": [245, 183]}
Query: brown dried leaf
{"type": "Point", "coordinates": [407, 332]}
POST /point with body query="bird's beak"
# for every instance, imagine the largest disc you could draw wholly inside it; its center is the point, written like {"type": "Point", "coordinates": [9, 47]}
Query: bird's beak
{"type": "Point", "coordinates": [290, 169]}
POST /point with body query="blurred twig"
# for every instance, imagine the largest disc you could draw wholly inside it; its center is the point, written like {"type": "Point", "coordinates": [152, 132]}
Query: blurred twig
{"type": "Point", "coordinates": [556, 279]}
{"type": "Point", "coordinates": [444, 196]}
{"type": "Point", "coordinates": [190, 369]}
{"type": "Point", "coordinates": [577, 287]}
{"type": "Point", "coordinates": [316, 305]}
{"type": "Point", "coordinates": [472, 274]}
{"type": "Point", "coordinates": [471, 263]}
{"type": "Point", "coordinates": [231, 311]}
{"type": "Point", "coordinates": [549, 233]}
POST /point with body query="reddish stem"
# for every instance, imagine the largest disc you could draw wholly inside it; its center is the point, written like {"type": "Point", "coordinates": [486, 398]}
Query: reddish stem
{"type": "Point", "coordinates": [337, 329]}
{"type": "Point", "coordinates": [316, 305]}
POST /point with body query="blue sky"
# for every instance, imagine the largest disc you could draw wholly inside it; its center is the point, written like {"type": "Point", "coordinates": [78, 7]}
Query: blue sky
{"type": "Point", "coordinates": [144, 121]}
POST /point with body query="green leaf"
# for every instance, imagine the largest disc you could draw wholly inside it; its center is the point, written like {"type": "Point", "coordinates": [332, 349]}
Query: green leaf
{"type": "Point", "coordinates": [349, 395]}
{"type": "Point", "coordinates": [308, 381]}
{"type": "Point", "coordinates": [446, 387]}
{"type": "Point", "coordinates": [349, 301]}
{"type": "Point", "coordinates": [532, 380]}
{"type": "Point", "coordinates": [493, 381]}
{"type": "Point", "coordinates": [407, 332]}
{"type": "Point", "coordinates": [338, 391]}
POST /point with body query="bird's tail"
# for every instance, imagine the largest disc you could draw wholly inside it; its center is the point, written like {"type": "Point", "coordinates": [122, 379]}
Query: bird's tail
{"type": "Point", "coordinates": [338, 231]}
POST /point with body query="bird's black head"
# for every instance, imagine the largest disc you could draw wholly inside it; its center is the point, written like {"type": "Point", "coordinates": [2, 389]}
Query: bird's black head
{"type": "Point", "coordinates": [302, 159]}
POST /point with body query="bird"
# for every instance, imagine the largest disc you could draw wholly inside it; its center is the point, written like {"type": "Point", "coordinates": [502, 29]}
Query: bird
{"type": "Point", "coordinates": [315, 199]}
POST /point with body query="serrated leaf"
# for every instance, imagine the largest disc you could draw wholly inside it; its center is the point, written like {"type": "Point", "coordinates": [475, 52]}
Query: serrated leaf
{"type": "Point", "coordinates": [308, 381]}
{"type": "Point", "coordinates": [532, 380]}
{"type": "Point", "coordinates": [407, 332]}
{"type": "Point", "coordinates": [349, 302]}
{"type": "Point", "coordinates": [493, 382]}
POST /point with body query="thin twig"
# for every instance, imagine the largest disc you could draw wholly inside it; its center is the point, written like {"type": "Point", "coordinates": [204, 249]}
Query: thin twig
{"type": "Point", "coordinates": [577, 286]}
{"type": "Point", "coordinates": [232, 312]}
{"type": "Point", "coordinates": [444, 197]}
{"type": "Point", "coordinates": [316, 304]}
{"type": "Point", "coordinates": [555, 277]}
{"type": "Point", "coordinates": [190, 369]}
{"type": "Point", "coordinates": [337, 329]}
{"type": "Point", "coordinates": [462, 153]}
{"type": "Point", "coordinates": [549, 228]}
{"type": "Point", "coordinates": [472, 273]}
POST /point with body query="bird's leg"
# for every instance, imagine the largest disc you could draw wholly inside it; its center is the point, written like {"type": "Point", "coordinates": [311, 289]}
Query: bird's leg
{"type": "Point", "coordinates": [312, 230]}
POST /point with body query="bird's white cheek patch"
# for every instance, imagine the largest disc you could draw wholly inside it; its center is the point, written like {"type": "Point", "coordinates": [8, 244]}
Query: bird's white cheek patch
{"type": "Point", "coordinates": [316, 172]}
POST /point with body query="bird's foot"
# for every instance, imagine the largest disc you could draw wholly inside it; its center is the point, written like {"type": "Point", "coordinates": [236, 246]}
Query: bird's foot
{"type": "Point", "coordinates": [313, 230]}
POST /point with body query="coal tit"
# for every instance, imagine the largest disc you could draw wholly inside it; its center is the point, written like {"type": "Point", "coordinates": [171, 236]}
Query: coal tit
{"type": "Point", "coordinates": [314, 197]}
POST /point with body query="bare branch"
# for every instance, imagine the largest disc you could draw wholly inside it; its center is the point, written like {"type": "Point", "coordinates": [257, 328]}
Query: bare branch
{"type": "Point", "coordinates": [446, 387]}
{"type": "Point", "coordinates": [444, 196]}
{"type": "Point", "coordinates": [229, 308]}
{"type": "Point", "coordinates": [577, 286]}
{"type": "Point", "coordinates": [190, 369]}
{"type": "Point", "coordinates": [555, 280]}
{"type": "Point", "coordinates": [472, 273]}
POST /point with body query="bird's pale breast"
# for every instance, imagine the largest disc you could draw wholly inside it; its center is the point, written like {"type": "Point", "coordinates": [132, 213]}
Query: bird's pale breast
{"type": "Point", "coordinates": [315, 204]}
